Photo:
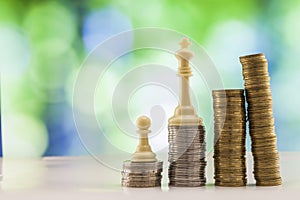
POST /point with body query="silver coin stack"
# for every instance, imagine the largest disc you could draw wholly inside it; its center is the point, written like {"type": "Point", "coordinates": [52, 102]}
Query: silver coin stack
{"type": "Point", "coordinates": [187, 156]}
{"type": "Point", "coordinates": [142, 174]}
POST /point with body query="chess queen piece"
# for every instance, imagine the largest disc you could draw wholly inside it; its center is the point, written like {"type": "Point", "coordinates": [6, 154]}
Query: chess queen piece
{"type": "Point", "coordinates": [186, 131]}
{"type": "Point", "coordinates": [143, 170]}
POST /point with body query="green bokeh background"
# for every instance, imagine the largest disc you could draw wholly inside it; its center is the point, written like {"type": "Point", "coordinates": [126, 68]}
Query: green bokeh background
{"type": "Point", "coordinates": [43, 43]}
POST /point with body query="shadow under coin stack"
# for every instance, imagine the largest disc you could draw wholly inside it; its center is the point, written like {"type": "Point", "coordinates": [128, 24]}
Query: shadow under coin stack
{"type": "Point", "coordinates": [261, 121]}
{"type": "Point", "coordinates": [186, 132]}
{"type": "Point", "coordinates": [143, 170]}
{"type": "Point", "coordinates": [229, 137]}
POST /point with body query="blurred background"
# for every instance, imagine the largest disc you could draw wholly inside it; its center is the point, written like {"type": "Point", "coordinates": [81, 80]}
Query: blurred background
{"type": "Point", "coordinates": [43, 44]}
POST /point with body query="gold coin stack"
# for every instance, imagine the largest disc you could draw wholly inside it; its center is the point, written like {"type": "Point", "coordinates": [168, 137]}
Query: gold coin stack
{"type": "Point", "coordinates": [261, 121]}
{"type": "Point", "coordinates": [229, 137]}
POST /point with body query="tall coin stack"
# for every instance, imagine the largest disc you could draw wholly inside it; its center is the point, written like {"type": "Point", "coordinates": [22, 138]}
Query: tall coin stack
{"type": "Point", "coordinates": [261, 121]}
{"type": "Point", "coordinates": [187, 156]}
{"type": "Point", "coordinates": [229, 137]}
{"type": "Point", "coordinates": [186, 132]}
{"type": "Point", "coordinates": [143, 170]}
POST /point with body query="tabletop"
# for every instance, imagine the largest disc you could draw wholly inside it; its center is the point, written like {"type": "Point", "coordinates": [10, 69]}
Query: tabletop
{"type": "Point", "coordinates": [85, 178]}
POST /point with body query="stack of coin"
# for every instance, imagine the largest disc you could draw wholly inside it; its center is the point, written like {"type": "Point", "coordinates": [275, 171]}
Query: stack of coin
{"type": "Point", "coordinates": [261, 121]}
{"type": "Point", "coordinates": [187, 156]}
{"type": "Point", "coordinates": [229, 138]}
{"type": "Point", "coordinates": [142, 174]}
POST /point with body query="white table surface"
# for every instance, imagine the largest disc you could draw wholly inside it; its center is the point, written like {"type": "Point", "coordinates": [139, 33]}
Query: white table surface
{"type": "Point", "coordinates": [85, 178]}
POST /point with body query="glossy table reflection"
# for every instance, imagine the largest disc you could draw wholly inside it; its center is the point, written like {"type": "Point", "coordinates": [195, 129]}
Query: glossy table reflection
{"type": "Point", "coordinates": [85, 178]}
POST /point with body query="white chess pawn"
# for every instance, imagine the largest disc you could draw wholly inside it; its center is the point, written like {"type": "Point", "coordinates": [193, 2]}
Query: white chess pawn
{"type": "Point", "coordinates": [143, 152]}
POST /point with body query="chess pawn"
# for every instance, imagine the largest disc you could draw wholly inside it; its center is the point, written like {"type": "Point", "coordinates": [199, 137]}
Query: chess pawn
{"type": "Point", "coordinates": [143, 152]}
{"type": "Point", "coordinates": [143, 170]}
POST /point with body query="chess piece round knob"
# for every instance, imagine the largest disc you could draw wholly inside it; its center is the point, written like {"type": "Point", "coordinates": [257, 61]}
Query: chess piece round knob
{"type": "Point", "coordinates": [143, 122]}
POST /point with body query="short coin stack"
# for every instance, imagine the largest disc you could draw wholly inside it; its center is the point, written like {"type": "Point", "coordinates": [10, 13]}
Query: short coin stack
{"type": "Point", "coordinates": [230, 138]}
{"type": "Point", "coordinates": [142, 174]}
{"type": "Point", "coordinates": [187, 156]}
{"type": "Point", "coordinates": [261, 121]}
